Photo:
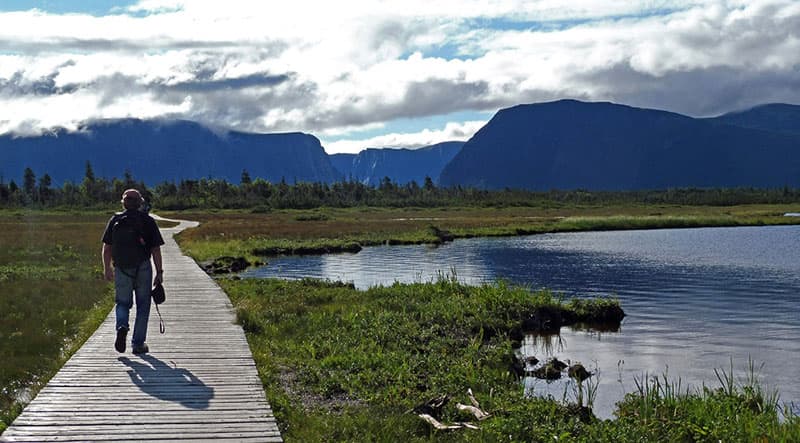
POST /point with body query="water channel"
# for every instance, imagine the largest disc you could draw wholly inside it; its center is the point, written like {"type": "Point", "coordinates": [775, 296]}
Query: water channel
{"type": "Point", "coordinates": [695, 299]}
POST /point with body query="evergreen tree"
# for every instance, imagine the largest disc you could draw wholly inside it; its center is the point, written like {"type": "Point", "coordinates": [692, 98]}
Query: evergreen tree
{"type": "Point", "coordinates": [45, 193]}
{"type": "Point", "coordinates": [128, 180]}
{"type": "Point", "coordinates": [29, 184]}
{"type": "Point", "coordinates": [428, 186]}
{"type": "Point", "coordinates": [89, 184]}
{"type": "Point", "coordinates": [4, 192]}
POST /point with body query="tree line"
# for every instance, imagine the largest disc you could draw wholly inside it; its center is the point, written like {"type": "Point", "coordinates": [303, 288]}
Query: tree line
{"type": "Point", "coordinates": [261, 195]}
{"type": "Point", "coordinates": [39, 192]}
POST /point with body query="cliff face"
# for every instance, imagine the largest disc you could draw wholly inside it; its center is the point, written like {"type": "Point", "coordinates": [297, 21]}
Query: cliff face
{"type": "Point", "coordinates": [343, 163]}
{"type": "Point", "coordinates": [370, 166]}
{"type": "Point", "coordinates": [603, 146]}
{"type": "Point", "coordinates": [157, 151]}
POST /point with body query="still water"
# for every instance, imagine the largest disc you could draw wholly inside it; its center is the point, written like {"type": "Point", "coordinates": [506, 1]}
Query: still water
{"type": "Point", "coordinates": [695, 299]}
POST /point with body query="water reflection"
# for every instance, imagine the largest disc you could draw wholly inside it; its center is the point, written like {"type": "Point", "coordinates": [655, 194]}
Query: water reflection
{"type": "Point", "coordinates": [695, 298]}
{"type": "Point", "coordinates": [542, 345]}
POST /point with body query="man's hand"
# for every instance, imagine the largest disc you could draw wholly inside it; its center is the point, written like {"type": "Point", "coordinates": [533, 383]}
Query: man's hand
{"type": "Point", "coordinates": [109, 274]}
{"type": "Point", "coordinates": [159, 278]}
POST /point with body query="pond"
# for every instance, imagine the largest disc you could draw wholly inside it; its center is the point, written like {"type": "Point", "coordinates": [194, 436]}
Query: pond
{"type": "Point", "coordinates": [695, 299]}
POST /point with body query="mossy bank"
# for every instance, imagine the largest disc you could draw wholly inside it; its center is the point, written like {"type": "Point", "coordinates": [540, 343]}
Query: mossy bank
{"type": "Point", "coordinates": [339, 364]}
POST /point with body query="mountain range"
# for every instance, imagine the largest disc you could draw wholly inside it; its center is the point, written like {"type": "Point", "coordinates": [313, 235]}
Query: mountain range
{"type": "Point", "coordinates": [564, 144]}
{"type": "Point", "coordinates": [570, 144]}
{"type": "Point", "coordinates": [156, 151]}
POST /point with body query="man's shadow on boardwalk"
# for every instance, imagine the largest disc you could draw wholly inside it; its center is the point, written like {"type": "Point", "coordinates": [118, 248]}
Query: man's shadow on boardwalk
{"type": "Point", "coordinates": [158, 379]}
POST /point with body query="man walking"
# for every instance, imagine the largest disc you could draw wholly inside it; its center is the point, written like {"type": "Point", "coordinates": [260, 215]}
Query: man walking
{"type": "Point", "coordinates": [130, 239]}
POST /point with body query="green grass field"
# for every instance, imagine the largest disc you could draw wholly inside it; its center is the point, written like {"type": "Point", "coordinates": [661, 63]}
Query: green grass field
{"type": "Point", "coordinates": [339, 364]}
{"type": "Point", "coordinates": [52, 296]}
{"type": "Point", "coordinates": [345, 365]}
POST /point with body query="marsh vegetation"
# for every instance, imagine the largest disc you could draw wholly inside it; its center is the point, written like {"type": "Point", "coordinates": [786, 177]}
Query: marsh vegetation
{"type": "Point", "coordinates": [52, 297]}
{"type": "Point", "coordinates": [247, 234]}
{"type": "Point", "coordinates": [342, 364]}
{"type": "Point", "coordinates": [339, 364]}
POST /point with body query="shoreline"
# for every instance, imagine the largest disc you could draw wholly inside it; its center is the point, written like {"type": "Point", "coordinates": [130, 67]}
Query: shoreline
{"type": "Point", "coordinates": [257, 250]}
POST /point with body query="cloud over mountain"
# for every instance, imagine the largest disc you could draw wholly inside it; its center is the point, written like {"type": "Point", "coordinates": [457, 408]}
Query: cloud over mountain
{"type": "Point", "coordinates": [327, 69]}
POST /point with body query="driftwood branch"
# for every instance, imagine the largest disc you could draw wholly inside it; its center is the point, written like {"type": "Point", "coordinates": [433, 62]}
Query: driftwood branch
{"type": "Point", "coordinates": [443, 427]}
{"type": "Point", "coordinates": [427, 410]}
{"type": "Point", "coordinates": [477, 412]}
{"type": "Point", "coordinates": [472, 398]}
{"type": "Point", "coordinates": [475, 409]}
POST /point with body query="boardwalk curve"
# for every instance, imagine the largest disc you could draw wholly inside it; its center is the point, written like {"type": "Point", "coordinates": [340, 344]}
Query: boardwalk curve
{"type": "Point", "coordinates": [198, 383]}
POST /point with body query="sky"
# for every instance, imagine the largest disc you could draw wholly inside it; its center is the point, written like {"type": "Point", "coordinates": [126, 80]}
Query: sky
{"type": "Point", "coordinates": [380, 73]}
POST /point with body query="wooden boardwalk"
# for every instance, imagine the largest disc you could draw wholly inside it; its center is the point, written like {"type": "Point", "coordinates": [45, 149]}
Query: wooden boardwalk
{"type": "Point", "coordinates": [198, 383]}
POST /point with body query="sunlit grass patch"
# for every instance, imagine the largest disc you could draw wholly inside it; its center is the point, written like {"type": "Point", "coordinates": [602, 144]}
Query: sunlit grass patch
{"type": "Point", "coordinates": [52, 296]}
{"type": "Point", "coordinates": [739, 408]}
{"type": "Point", "coordinates": [340, 364]}
{"type": "Point", "coordinates": [330, 354]}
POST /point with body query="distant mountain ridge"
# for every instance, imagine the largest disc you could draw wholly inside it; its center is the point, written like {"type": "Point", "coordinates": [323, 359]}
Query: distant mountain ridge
{"type": "Point", "coordinates": [371, 165]}
{"type": "Point", "coordinates": [569, 144]}
{"type": "Point", "coordinates": [565, 144]}
{"type": "Point", "coordinates": [157, 151]}
{"type": "Point", "coordinates": [773, 117]}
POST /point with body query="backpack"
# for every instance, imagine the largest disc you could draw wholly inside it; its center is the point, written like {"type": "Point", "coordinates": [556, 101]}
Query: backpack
{"type": "Point", "coordinates": [128, 246]}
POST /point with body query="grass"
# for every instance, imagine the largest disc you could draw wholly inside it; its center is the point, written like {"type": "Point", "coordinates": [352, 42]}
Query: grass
{"type": "Point", "coordinates": [346, 365]}
{"type": "Point", "coordinates": [246, 234]}
{"type": "Point", "coordinates": [660, 410]}
{"type": "Point", "coordinates": [52, 297]}
{"type": "Point", "coordinates": [339, 364]}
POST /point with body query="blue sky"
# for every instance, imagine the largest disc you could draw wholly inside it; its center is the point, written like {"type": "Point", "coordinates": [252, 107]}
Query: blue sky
{"type": "Point", "coordinates": [397, 74]}
{"type": "Point", "coordinates": [93, 7]}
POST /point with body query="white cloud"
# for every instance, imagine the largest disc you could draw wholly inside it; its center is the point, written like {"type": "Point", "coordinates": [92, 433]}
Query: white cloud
{"type": "Point", "coordinates": [453, 131]}
{"type": "Point", "coordinates": [327, 69]}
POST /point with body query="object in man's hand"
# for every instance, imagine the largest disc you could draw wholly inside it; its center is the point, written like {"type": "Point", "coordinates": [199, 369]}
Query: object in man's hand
{"type": "Point", "coordinates": [158, 294]}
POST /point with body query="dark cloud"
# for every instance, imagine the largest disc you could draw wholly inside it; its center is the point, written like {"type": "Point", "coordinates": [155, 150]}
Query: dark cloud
{"type": "Point", "coordinates": [244, 108]}
{"type": "Point", "coordinates": [700, 92]}
{"type": "Point", "coordinates": [224, 92]}
{"type": "Point", "coordinates": [19, 85]}
{"type": "Point", "coordinates": [390, 31]}
{"type": "Point", "coordinates": [391, 36]}
{"type": "Point", "coordinates": [249, 81]}
{"type": "Point", "coordinates": [422, 98]}
{"type": "Point", "coordinates": [115, 87]}
{"type": "Point", "coordinates": [272, 48]}
{"type": "Point", "coordinates": [438, 96]}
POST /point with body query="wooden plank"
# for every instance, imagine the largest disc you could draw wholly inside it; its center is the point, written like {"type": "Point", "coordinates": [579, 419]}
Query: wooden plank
{"type": "Point", "coordinates": [183, 438]}
{"type": "Point", "coordinates": [199, 382]}
{"type": "Point", "coordinates": [143, 429]}
{"type": "Point", "coordinates": [132, 417]}
{"type": "Point", "coordinates": [135, 437]}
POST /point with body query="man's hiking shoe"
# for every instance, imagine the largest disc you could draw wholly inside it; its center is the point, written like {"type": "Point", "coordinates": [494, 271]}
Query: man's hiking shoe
{"type": "Point", "coordinates": [119, 344]}
{"type": "Point", "coordinates": [140, 349]}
